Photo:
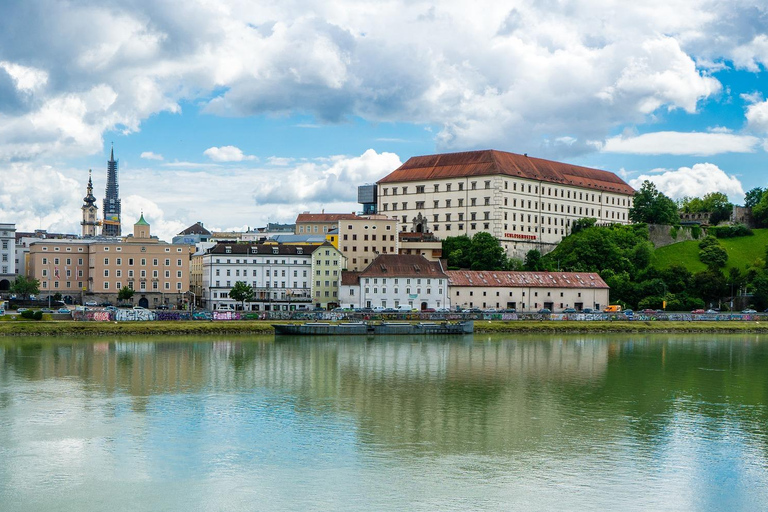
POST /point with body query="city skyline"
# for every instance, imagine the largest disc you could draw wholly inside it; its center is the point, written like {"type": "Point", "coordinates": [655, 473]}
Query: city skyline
{"type": "Point", "coordinates": [237, 116]}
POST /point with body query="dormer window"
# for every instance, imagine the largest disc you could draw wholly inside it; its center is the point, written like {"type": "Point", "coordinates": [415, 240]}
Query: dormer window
{"type": "Point", "coordinates": [299, 250]}
{"type": "Point", "coordinates": [275, 250]}
{"type": "Point", "coordinates": [228, 250]}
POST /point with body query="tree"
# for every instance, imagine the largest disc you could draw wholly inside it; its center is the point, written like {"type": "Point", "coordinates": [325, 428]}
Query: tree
{"type": "Point", "coordinates": [457, 249]}
{"type": "Point", "coordinates": [760, 211]}
{"type": "Point", "coordinates": [718, 204]}
{"type": "Point", "coordinates": [713, 256]}
{"type": "Point", "coordinates": [652, 207]}
{"type": "Point", "coordinates": [25, 286]}
{"type": "Point", "coordinates": [57, 296]}
{"type": "Point", "coordinates": [486, 253]}
{"type": "Point", "coordinates": [582, 224]}
{"type": "Point", "coordinates": [125, 294]}
{"type": "Point", "coordinates": [241, 292]}
{"type": "Point", "coordinates": [752, 197]}
{"type": "Point", "coordinates": [533, 261]}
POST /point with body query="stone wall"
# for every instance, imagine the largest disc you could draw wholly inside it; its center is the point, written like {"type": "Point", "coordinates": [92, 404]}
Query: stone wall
{"type": "Point", "coordinates": [662, 235]}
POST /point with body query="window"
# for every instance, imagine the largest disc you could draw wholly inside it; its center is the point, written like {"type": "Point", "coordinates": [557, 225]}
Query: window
{"type": "Point", "coordinates": [419, 189]}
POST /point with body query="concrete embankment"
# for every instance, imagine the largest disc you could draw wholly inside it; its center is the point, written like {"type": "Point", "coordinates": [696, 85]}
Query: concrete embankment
{"type": "Point", "coordinates": [63, 328]}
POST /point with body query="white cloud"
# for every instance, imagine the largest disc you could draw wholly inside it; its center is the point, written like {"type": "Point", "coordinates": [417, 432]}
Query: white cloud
{"type": "Point", "coordinates": [695, 181]}
{"type": "Point", "coordinates": [227, 154]}
{"type": "Point", "coordinates": [682, 143]}
{"type": "Point", "coordinates": [757, 116]}
{"type": "Point", "coordinates": [323, 181]}
{"type": "Point", "coordinates": [279, 161]}
{"type": "Point", "coordinates": [533, 74]}
{"type": "Point", "coordinates": [149, 155]}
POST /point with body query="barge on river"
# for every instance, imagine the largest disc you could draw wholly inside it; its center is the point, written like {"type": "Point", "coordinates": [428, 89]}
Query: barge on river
{"type": "Point", "coordinates": [375, 329]}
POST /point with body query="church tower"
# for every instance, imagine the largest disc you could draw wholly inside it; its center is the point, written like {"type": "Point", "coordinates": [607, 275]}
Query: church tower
{"type": "Point", "coordinates": [89, 210]}
{"type": "Point", "coordinates": [111, 222]}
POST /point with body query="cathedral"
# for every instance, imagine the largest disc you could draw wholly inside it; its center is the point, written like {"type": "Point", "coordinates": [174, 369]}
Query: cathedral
{"type": "Point", "coordinates": [110, 225]}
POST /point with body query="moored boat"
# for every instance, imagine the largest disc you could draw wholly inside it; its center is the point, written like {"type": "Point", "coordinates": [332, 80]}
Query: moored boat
{"type": "Point", "coordinates": [378, 329]}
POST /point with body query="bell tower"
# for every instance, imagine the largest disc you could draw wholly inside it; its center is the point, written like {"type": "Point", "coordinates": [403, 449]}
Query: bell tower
{"type": "Point", "coordinates": [90, 211]}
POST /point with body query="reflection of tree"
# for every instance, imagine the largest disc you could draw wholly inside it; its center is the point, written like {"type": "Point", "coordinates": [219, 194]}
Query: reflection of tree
{"type": "Point", "coordinates": [427, 396]}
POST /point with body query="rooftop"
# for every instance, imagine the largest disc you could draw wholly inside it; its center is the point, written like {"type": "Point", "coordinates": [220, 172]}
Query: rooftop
{"type": "Point", "coordinates": [491, 162]}
{"type": "Point", "coordinates": [525, 279]}
{"type": "Point", "coordinates": [403, 265]}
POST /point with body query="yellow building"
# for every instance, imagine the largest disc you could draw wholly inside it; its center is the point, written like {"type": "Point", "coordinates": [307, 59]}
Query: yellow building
{"type": "Point", "coordinates": [95, 269]}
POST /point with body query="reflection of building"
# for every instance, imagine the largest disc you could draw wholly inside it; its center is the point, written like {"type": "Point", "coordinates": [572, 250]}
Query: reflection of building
{"type": "Point", "coordinates": [111, 221]}
{"type": "Point", "coordinates": [526, 203]}
{"type": "Point", "coordinates": [7, 256]}
{"type": "Point", "coordinates": [99, 267]}
{"type": "Point", "coordinates": [527, 291]}
{"type": "Point", "coordinates": [393, 280]}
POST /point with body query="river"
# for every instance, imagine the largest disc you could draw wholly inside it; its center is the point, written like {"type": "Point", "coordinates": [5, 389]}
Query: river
{"type": "Point", "coordinates": [480, 423]}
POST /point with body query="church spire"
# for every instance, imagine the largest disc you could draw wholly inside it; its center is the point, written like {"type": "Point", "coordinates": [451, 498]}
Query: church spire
{"type": "Point", "coordinates": [111, 222]}
{"type": "Point", "coordinates": [89, 209]}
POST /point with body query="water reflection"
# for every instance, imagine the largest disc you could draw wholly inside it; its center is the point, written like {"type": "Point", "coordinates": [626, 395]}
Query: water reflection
{"type": "Point", "coordinates": [599, 418]}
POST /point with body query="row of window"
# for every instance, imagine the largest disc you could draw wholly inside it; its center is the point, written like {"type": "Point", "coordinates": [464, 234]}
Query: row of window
{"type": "Point", "coordinates": [396, 280]}
{"type": "Point", "coordinates": [396, 291]}
{"type": "Point", "coordinates": [532, 205]}
{"type": "Point", "coordinates": [373, 248]}
{"type": "Point", "coordinates": [118, 261]}
{"type": "Point", "coordinates": [365, 237]}
{"type": "Point", "coordinates": [245, 261]}
{"type": "Point", "coordinates": [532, 189]}
{"type": "Point", "coordinates": [498, 294]}
{"type": "Point", "coordinates": [105, 249]}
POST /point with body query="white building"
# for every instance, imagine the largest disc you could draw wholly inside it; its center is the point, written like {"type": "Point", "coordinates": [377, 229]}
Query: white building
{"type": "Point", "coordinates": [283, 277]}
{"type": "Point", "coordinates": [7, 256]}
{"type": "Point", "coordinates": [526, 203]}
{"type": "Point", "coordinates": [527, 291]}
{"type": "Point", "coordinates": [393, 280]}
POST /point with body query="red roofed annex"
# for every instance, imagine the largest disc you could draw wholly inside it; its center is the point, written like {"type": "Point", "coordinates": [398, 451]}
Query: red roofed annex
{"type": "Point", "coordinates": [525, 202]}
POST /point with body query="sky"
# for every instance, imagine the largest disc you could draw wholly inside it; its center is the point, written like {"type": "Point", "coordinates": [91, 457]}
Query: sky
{"type": "Point", "coordinates": [236, 113]}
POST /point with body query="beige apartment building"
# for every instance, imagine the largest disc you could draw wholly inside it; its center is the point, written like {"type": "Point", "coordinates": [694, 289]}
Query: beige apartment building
{"type": "Point", "coordinates": [362, 239]}
{"type": "Point", "coordinates": [526, 203]}
{"type": "Point", "coordinates": [527, 291]}
{"type": "Point", "coordinates": [320, 223]}
{"type": "Point", "coordinates": [95, 269]}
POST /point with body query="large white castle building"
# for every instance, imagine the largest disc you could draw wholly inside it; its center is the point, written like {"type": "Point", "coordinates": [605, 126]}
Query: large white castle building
{"type": "Point", "coordinates": [527, 203]}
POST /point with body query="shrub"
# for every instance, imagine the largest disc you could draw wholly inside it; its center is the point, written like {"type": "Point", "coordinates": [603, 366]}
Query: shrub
{"type": "Point", "coordinates": [37, 315]}
{"type": "Point", "coordinates": [730, 231]}
{"type": "Point", "coordinates": [673, 232]}
{"type": "Point", "coordinates": [28, 314]}
{"type": "Point", "coordinates": [696, 232]}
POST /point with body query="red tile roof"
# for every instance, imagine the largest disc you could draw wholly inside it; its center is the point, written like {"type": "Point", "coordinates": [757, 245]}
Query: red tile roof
{"type": "Point", "coordinates": [325, 217]}
{"type": "Point", "coordinates": [491, 162]}
{"type": "Point", "coordinates": [403, 265]}
{"type": "Point", "coordinates": [525, 279]}
{"type": "Point", "coordinates": [349, 277]}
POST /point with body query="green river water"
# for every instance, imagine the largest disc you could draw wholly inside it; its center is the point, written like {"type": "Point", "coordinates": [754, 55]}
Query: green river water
{"type": "Point", "coordinates": [476, 423]}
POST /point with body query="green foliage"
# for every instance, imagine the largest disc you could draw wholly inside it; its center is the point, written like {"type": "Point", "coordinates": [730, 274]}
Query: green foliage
{"type": "Point", "coordinates": [31, 315]}
{"type": "Point", "coordinates": [241, 292]}
{"type": "Point", "coordinates": [760, 291]}
{"type": "Point", "coordinates": [715, 203]}
{"type": "Point", "coordinates": [457, 249]}
{"type": "Point", "coordinates": [125, 293]}
{"type": "Point", "coordinates": [57, 296]}
{"type": "Point", "coordinates": [730, 231]}
{"type": "Point", "coordinates": [652, 207]}
{"type": "Point", "coordinates": [602, 248]}
{"type": "Point", "coordinates": [696, 232]}
{"type": "Point", "coordinates": [709, 285]}
{"type": "Point", "coordinates": [673, 232]}
{"type": "Point", "coordinates": [713, 257]}
{"type": "Point", "coordinates": [25, 286]}
{"type": "Point", "coordinates": [486, 253]}
{"type": "Point", "coordinates": [582, 224]}
{"type": "Point", "coordinates": [533, 261]}
{"type": "Point", "coordinates": [760, 211]}
{"type": "Point", "coordinates": [709, 241]}
{"type": "Point", "coordinates": [752, 197]}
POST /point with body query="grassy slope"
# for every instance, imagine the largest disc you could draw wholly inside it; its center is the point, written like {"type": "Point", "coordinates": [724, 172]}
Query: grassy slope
{"type": "Point", "coordinates": [742, 252]}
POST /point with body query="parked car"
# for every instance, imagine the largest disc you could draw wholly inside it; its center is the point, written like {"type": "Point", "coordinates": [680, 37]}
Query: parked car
{"type": "Point", "coordinates": [139, 308]}
{"type": "Point", "coordinates": [545, 311]}
{"type": "Point", "coordinates": [428, 310]}
{"type": "Point", "coordinates": [649, 311]}
{"type": "Point", "coordinates": [63, 311]}
{"type": "Point", "coordinates": [710, 310]}
{"type": "Point", "coordinates": [748, 311]}
{"type": "Point", "coordinates": [92, 303]}
{"type": "Point", "coordinates": [588, 310]}
{"type": "Point", "coordinates": [569, 310]}
{"type": "Point", "coordinates": [698, 312]}
{"type": "Point", "coordinates": [105, 304]}
{"type": "Point", "coordinates": [46, 310]}
{"type": "Point", "coordinates": [162, 306]}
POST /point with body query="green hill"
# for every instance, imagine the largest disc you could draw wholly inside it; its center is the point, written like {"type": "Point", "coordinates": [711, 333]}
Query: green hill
{"type": "Point", "coordinates": [742, 252]}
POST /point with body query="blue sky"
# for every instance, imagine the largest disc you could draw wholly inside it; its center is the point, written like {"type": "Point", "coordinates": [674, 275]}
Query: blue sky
{"type": "Point", "coordinates": [235, 114]}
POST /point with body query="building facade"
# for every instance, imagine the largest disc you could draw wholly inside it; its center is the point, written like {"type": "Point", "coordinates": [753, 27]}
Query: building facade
{"type": "Point", "coordinates": [362, 239]}
{"type": "Point", "coordinates": [527, 291]}
{"type": "Point", "coordinates": [320, 223]}
{"type": "Point", "coordinates": [280, 276]}
{"type": "Point", "coordinates": [327, 264]}
{"type": "Point", "coordinates": [395, 281]}
{"type": "Point", "coordinates": [526, 203]}
{"type": "Point", "coordinates": [95, 269]}
{"type": "Point", "coordinates": [7, 256]}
